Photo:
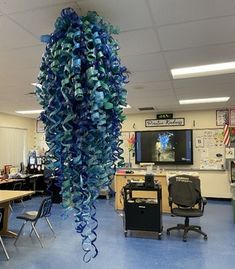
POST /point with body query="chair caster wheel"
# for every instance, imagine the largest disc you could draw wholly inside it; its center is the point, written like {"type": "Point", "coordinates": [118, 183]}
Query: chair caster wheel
{"type": "Point", "coordinates": [185, 239]}
{"type": "Point", "coordinates": [159, 236]}
{"type": "Point", "coordinates": [167, 232]}
{"type": "Point", "coordinates": [205, 237]}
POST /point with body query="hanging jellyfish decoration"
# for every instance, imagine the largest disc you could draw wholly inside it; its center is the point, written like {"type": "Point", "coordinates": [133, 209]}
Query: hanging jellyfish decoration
{"type": "Point", "coordinates": [81, 89]}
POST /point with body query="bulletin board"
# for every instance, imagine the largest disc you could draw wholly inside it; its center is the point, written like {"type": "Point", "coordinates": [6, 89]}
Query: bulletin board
{"type": "Point", "coordinates": [208, 150]}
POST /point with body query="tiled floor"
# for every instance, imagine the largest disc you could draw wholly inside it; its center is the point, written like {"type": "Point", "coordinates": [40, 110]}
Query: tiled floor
{"type": "Point", "coordinates": [118, 252]}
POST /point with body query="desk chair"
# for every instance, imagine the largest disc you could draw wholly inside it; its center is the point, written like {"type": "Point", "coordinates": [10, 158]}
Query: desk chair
{"type": "Point", "coordinates": [33, 217]}
{"type": "Point", "coordinates": [185, 201]}
{"type": "Point", "coordinates": [17, 186]}
{"type": "Point", "coordinates": [3, 246]}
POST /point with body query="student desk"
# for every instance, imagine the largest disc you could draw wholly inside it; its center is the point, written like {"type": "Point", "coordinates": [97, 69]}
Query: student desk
{"type": "Point", "coordinates": [5, 198]}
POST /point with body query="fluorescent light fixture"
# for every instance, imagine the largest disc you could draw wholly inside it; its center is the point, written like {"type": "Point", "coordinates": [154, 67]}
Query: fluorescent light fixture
{"type": "Point", "coordinates": [29, 111]}
{"type": "Point", "coordinates": [127, 106]}
{"type": "Point", "coordinates": [204, 100]}
{"type": "Point", "coordinates": [203, 70]}
{"type": "Point", "coordinates": [36, 85]}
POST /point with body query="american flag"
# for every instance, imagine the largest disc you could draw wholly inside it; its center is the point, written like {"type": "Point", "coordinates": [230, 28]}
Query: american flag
{"type": "Point", "coordinates": [226, 140]}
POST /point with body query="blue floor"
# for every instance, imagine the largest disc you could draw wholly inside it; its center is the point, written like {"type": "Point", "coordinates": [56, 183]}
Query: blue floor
{"type": "Point", "coordinates": [118, 252]}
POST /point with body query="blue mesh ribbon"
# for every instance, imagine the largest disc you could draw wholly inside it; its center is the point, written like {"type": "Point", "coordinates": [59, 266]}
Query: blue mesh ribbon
{"type": "Point", "coordinates": [82, 94]}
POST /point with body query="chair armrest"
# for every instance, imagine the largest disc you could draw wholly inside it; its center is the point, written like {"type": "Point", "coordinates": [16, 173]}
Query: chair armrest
{"type": "Point", "coordinates": [170, 201]}
{"type": "Point", "coordinates": [202, 204]}
{"type": "Point", "coordinates": [204, 201]}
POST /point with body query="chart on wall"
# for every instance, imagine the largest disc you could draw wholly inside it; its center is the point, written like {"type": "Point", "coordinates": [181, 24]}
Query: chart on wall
{"type": "Point", "coordinates": [209, 150]}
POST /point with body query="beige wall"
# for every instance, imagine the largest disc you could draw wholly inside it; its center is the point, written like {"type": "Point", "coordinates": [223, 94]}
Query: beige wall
{"type": "Point", "coordinates": [193, 119]}
{"type": "Point", "coordinates": [214, 183]}
{"type": "Point", "coordinates": [20, 122]}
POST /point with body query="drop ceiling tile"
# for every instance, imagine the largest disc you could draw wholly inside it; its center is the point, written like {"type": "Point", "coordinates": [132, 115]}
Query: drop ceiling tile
{"type": "Point", "coordinates": [127, 15]}
{"type": "Point", "coordinates": [198, 33]}
{"type": "Point", "coordinates": [21, 58]}
{"type": "Point", "coordinates": [12, 6]}
{"type": "Point", "coordinates": [200, 56]}
{"type": "Point", "coordinates": [170, 12]}
{"type": "Point", "coordinates": [210, 82]}
{"type": "Point", "coordinates": [13, 36]}
{"type": "Point", "coordinates": [203, 93]}
{"type": "Point", "coordinates": [40, 21]}
{"type": "Point", "coordinates": [138, 42]}
{"type": "Point", "coordinates": [155, 86]}
{"type": "Point", "coordinates": [144, 62]}
{"type": "Point", "coordinates": [149, 76]}
{"type": "Point", "coordinates": [19, 77]}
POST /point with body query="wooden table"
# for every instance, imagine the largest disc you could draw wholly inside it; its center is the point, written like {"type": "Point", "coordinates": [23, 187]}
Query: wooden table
{"type": "Point", "coordinates": [10, 180]}
{"type": "Point", "coordinates": [5, 198]}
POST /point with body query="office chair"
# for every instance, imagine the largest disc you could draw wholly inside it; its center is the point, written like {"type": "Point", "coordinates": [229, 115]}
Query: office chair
{"type": "Point", "coordinates": [3, 246]}
{"type": "Point", "coordinates": [33, 217]}
{"type": "Point", "coordinates": [185, 201]}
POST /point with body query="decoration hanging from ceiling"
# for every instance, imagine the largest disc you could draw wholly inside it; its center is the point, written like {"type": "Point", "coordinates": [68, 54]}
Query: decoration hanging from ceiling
{"type": "Point", "coordinates": [81, 91]}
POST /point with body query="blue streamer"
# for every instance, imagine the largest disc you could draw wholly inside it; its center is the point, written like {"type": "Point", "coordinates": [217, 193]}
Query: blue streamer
{"type": "Point", "coordinates": [82, 94]}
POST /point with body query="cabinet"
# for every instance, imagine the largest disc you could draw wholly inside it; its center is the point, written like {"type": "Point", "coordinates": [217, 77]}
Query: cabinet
{"type": "Point", "coordinates": [122, 179]}
{"type": "Point", "coordinates": [142, 214]}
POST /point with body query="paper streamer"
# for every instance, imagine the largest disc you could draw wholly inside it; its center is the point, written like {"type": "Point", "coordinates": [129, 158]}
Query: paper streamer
{"type": "Point", "coordinates": [81, 89]}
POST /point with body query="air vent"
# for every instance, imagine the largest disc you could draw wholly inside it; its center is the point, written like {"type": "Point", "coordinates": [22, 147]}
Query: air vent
{"type": "Point", "coordinates": [145, 108]}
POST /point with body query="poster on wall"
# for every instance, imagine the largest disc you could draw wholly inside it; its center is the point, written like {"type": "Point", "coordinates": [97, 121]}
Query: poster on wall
{"type": "Point", "coordinates": [221, 116]}
{"type": "Point", "coordinates": [232, 117]}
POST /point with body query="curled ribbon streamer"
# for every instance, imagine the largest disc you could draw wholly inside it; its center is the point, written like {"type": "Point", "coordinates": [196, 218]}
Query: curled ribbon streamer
{"type": "Point", "coordinates": [82, 94]}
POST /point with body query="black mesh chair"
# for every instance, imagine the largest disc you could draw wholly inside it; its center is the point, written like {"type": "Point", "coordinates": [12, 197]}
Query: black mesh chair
{"type": "Point", "coordinates": [3, 246]}
{"type": "Point", "coordinates": [33, 217]}
{"type": "Point", "coordinates": [185, 201]}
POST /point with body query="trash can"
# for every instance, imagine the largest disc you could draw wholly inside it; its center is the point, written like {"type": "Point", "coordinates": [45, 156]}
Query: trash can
{"type": "Point", "coordinates": [232, 187]}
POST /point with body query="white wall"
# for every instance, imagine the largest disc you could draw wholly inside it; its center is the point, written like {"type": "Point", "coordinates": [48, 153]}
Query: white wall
{"type": "Point", "coordinates": [17, 138]}
{"type": "Point", "coordinates": [20, 122]}
{"type": "Point", "coordinates": [213, 183]}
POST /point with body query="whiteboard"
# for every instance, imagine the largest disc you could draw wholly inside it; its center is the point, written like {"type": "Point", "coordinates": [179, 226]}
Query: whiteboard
{"type": "Point", "coordinates": [208, 149]}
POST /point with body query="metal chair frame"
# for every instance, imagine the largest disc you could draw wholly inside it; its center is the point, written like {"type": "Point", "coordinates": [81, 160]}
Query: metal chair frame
{"type": "Point", "coordinates": [43, 212]}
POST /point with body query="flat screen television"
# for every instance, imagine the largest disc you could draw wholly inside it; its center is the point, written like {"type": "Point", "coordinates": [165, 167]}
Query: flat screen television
{"type": "Point", "coordinates": [164, 147]}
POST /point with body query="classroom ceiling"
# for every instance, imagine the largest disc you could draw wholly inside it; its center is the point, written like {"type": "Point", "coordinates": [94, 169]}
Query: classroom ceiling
{"type": "Point", "coordinates": [156, 36]}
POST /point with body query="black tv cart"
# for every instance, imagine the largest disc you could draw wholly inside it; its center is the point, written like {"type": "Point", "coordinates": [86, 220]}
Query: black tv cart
{"type": "Point", "coordinates": [142, 214]}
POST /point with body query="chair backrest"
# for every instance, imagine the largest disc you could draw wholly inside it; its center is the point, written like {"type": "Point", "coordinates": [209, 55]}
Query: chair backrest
{"type": "Point", "coordinates": [17, 186]}
{"type": "Point", "coordinates": [184, 190]}
{"type": "Point", "coordinates": [45, 208]}
{"type": "Point", "coordinates": [1, 218]}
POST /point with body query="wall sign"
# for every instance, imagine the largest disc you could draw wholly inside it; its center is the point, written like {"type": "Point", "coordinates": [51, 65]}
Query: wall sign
{"type": "Point", "coordinates": [164, 122]}
{"type": "Point", "coordinates": [162, 116]}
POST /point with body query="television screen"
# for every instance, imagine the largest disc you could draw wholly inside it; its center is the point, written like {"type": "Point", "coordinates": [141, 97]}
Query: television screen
{"type": "Point", "coordinates": [164, 147]}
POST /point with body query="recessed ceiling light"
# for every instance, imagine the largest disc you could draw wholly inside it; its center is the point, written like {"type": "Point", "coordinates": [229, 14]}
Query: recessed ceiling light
{"type": "Point", "coordinates": [204, 100]}
{"type": "Point", "coordinates": [203, 70]}
{"type": "Point", "coordinates": [29, 111]}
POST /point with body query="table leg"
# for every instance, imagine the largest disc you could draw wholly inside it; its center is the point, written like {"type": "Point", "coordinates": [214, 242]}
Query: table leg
{"type": "Point", "coordinates": [6, 212]}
